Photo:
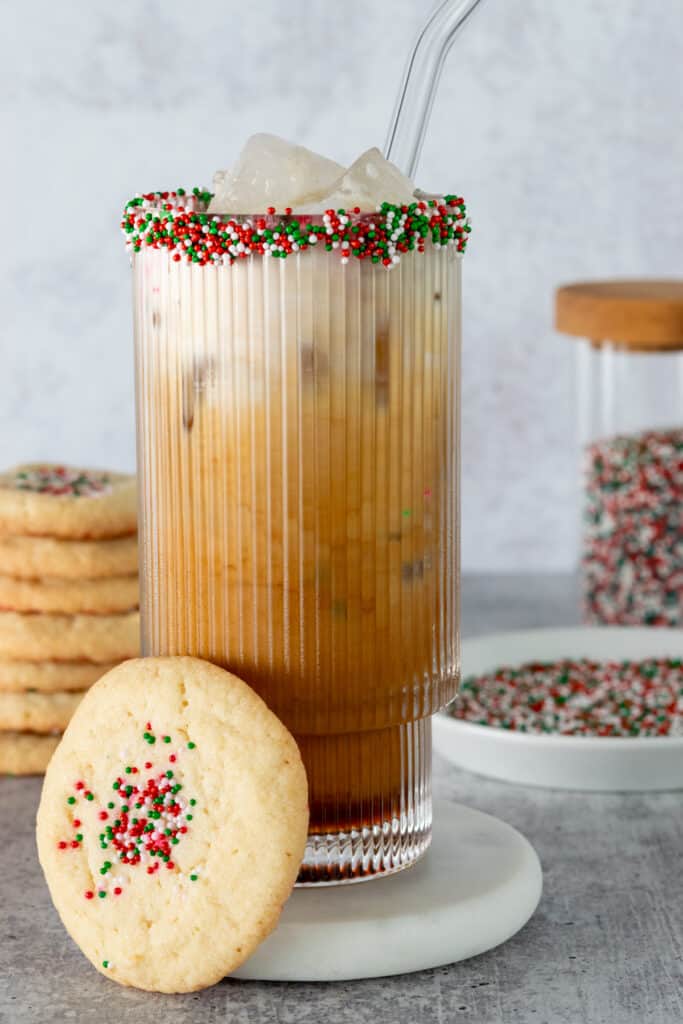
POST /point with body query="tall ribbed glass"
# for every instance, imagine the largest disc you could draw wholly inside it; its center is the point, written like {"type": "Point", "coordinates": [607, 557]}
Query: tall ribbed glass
{"type": "Point", "coordinates": [298, 458]}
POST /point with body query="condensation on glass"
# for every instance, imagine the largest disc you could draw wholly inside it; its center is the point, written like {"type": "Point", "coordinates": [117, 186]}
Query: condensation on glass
{"type": "Point", "coordinates": [298, 458]}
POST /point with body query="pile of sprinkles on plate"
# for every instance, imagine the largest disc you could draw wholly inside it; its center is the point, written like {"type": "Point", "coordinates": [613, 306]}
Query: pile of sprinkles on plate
{"type": "Point", "coordinates": [633, 530]}
{"type": "Point", "coordinates": [578, 698]}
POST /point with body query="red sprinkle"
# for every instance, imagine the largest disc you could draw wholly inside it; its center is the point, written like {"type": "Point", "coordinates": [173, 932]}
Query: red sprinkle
{"type": "Point", "coordinates": [632, 551]}
{"type": "Point", "coordinates": [578, 698]}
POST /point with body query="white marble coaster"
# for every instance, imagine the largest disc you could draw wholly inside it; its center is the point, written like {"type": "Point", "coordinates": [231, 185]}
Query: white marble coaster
{"type": "Point", "coordinates": [478, 884]}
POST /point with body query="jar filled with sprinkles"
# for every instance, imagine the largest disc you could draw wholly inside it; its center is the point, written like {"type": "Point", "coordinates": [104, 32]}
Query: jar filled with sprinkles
{"type": "Point", "coordinates": [630, 410]}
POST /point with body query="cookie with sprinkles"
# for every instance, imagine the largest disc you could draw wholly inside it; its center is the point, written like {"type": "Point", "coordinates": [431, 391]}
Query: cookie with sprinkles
{"type": "Point", "coordinates": [46, 499]}
{"type": "Point", "coordinates": [172, 823]}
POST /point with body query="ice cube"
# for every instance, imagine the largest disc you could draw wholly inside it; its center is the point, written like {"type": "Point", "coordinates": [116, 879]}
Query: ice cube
{"type": "Point", "coordinates": [272, 172]}
{"type": "Point", "coordinates": [370, 181]}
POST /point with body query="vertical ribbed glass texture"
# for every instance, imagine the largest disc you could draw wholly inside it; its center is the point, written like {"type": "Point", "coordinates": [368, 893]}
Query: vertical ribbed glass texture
{"type": "Point", "coordinates": [299, 477]}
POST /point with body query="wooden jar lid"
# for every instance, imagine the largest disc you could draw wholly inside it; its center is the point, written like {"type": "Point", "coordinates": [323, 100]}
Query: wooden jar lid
{"type": "Point", "coordinates": [644, 316]}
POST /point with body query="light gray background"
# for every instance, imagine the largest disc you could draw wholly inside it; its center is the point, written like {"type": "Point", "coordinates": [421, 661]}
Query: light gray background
{"type": "Point", "coordinates": [561, 121]}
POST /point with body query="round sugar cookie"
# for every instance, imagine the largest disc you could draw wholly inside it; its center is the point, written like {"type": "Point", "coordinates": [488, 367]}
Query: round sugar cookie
{"type": "Point", "coordinates": [63, 501]}
{"type": "Point", "coordinates": [24, 753]}
{"type": "Point", "coordinates": [30, 558]}
{"type": "Point", "coordinates": [99, 597]}
{"type": "Point", "coordinates": [37, 712]}
{"type": "Point", "coordinates": [29, 636]}
{"type": "Point", "coordinates": [50, 676]}
{"type": "Point", "coordinates": [172, 823]}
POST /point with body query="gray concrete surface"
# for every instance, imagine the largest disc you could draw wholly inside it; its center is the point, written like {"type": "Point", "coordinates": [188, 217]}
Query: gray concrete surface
{"type": "Point", "coordinates": [605, 946]}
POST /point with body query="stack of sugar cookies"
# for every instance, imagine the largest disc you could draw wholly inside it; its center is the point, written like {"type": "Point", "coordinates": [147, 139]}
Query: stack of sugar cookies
{"type": "Point", "coordinates": [68, 599]}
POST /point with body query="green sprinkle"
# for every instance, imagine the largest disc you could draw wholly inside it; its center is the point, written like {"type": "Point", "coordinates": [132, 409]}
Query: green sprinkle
{"type": "Point", "coordinates": [89, 796]}
{"type": "Point", "coordinates": [193, 878]}
{"type": "Point", "coordinates": [71, 800]}
{"type": "Point", "coordinates": [191, 746]}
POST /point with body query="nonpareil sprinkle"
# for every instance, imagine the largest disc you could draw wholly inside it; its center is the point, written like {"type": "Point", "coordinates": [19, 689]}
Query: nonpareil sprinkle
{"type": "Point", "coordinates": [180, 225]}
{"type": "Point", "coordinates": [158, 827]}
{"type": "Point", "coordinates": [578, 698]}
{"type": "Point", "coordinates": [633, 530]}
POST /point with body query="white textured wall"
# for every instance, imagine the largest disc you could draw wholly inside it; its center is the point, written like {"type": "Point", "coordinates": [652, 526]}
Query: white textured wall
{"type": "Point", "coordinates": [561, 121]}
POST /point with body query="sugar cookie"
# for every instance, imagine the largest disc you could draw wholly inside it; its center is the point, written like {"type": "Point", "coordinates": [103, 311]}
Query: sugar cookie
{"type": "Point", "coordinates": [61, 501]}
{"type": "Point", "coordinates": [50, 676]}
{"type": "Point", "coordinates": [37, 712]}
{"type": "Point", "coordinates": [23, 753]}
{"type": "Point", "coordinates": [30, 558]}
{"type": "Point", "coordinates": [172, 823]}
{"type": "Point", "coordinates": [33, 637]}
{"type": "Point", "coordinates": [116, 594]}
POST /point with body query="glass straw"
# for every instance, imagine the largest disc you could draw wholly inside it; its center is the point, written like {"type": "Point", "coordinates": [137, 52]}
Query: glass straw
{"type": "Point", "coordinates": [420, 80]}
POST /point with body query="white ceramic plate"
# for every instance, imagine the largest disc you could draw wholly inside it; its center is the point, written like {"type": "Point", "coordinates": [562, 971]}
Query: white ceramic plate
{"type": "Point", "coordinates": [607, 763]}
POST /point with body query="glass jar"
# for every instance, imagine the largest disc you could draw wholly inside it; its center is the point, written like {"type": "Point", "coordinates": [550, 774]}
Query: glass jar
{"type": "Point", "coordinates": [630, 412]}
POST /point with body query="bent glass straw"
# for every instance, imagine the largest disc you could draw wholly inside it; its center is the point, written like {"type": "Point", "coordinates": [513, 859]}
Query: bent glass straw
{"type": "Point", "coordinates": [420, 80]}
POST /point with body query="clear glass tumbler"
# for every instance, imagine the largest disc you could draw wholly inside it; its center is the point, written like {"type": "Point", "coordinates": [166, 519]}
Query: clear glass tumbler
{"type": "Point", "coordinates": [298, 459]}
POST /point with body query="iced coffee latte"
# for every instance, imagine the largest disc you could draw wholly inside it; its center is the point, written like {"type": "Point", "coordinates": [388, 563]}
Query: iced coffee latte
{"type": "Point", "coordinates": [297, 361]}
